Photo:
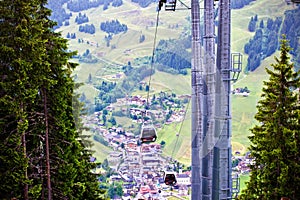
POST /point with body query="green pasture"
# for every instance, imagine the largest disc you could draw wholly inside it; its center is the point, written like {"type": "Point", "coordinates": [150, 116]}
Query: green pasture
{"type": "Point", "coordinates": [244, 108]}
{"type": "Point", "coordinates": [178, 84]}
{"type": "Point", "coordinates": [178, 140]}
{"type": "Point", "coordinates": [139, 21]}
{"type": "Point", "coordinates": [171, 25]}
{"type": "Point", "coordinates": [243, 179]}
{"type": "Point", "coordinates": [240, 19]}
{"type": "Point", "coordinates": [100, 151]}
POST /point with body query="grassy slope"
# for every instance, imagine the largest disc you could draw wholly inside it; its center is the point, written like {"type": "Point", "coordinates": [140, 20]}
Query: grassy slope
{"type": "Point", "coordinates": [100, 151]}
{"type": "Point", "coordinates": [244, 109]}
{"type": "Point", "coordinates": [166, 82]}
{"type": "Point", "coordinates": [141, 21]}
{"type": "Point", "coordinates": [243, 180]}
{"type": "Point", "coordinates": [178, 149]}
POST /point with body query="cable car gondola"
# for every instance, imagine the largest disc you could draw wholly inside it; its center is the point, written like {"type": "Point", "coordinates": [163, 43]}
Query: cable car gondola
{"type": "Point", "coordinates": [170, 178]}
{"type": "Point", "coordinates": [148, 133]}
{"type": "Point", "coordinates": [170, 5]}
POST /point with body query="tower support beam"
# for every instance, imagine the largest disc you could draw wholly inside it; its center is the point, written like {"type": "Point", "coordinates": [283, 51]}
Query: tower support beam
{"type": "Point", "coordinates": [211, 106]}
{"type": "Point", "coordinates": [197, 79]}
{"type": "Point", "coordinates": [222, 151]}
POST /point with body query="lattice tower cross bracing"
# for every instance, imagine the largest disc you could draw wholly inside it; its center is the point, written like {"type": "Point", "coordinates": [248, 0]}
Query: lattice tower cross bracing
{"type": "Point", "coordinates": [211, 115]}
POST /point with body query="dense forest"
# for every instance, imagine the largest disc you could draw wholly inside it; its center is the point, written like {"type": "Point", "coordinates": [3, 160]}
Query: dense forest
{"type": "Point", "coordinates": [80, 5]}
{"type": "Point", "coordinates": [172, 56]}
{"type": "Point", "coordinates": [87, 28]}
{"type": "Point", "coordinates": [265, 41]}
{"type": "Point", "coordinates": [237, 4]}
{"type": "Point", "coordinates": [266, 38]}
{"type": "Point", "coordinates": [106, 96]}
{"type": "Point", "coordinates": [81, 18]}
{"type": "Point", "coordinates": [43, 153]}
{"type": "Point", "coordinates": [291, 28]}
{"type": "Point", "coordinates": [113, 26]}
{"type": "Point", "coordinates": [58, 14]}
{"type": "Point", "coordinates": [144, 3]}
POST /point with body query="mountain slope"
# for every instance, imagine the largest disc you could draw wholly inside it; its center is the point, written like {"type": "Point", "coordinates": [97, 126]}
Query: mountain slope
{"type": "Point", "coordinates": [126, 47]}
{"type": "Point", "coordinates": [244, 109]}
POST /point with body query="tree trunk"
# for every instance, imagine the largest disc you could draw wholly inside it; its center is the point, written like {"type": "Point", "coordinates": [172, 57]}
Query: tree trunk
{"type": "Point", "coordinates": [47, 146]}
{"type": "Point", "coordinates": [25, 170]}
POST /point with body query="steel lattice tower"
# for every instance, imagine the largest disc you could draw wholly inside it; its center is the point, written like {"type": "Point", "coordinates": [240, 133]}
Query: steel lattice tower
{"type": "Point", "coordinates": [211, 110]}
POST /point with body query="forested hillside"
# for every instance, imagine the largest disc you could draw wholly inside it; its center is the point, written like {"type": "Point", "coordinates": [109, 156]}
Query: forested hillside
{"type": "Point", "coordinates": [238, 4]}
{"type": "Point", "coordinates": [124, 35]}
{"type": "Point", "coordinates": [291, 27]}
{"type": "Point", "coordinates": [266, 39]}
{"type": "Point", "coordinates": [43, 152]}
{"type": "Point", "coordinates": [60, 15]}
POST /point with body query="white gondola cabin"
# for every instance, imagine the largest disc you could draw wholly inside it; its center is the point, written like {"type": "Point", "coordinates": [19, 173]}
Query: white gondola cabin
{"type": "Point", "coordinates": [148, 133]}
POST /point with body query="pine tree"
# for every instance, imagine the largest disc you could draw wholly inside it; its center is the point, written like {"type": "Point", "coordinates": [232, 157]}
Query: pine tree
{"type": "Point", "coordinates": [42, 155]}
{"type": "Point", "coordinates": [261, 24]}
{"type": "Point", "coordinates": [275, 144]}
{"type": "Point", "coordinates": [21, 49]}
{"type": "Point", "coordinates": [252, 25]}
{"type": "Point", "coordinates": [71, 170]}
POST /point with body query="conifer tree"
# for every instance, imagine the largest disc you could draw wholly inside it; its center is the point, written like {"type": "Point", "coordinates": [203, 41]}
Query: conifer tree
{"type": "Point", "coordinates": [71, 171]}
{"type": "Point", "coordinates": [41, 153]}
{"type": "Point", "coordinates": [21, 48]}
{"type": "Point", "coordinates": [275, 144]}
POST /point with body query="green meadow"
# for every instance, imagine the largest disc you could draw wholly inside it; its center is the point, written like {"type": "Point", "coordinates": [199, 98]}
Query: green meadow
{"type": "Point", "coordinates": [99, 150]}
{"type": "Point", "coordinates": [171, 25]}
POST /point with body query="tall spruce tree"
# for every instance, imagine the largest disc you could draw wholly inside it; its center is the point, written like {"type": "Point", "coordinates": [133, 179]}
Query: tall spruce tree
{"type": "Point", "coordinates": [275, 144]}
{"type": "Point", "coordinates": [21, 48]}
{"type": "Point", "coordinates": [41, 154]}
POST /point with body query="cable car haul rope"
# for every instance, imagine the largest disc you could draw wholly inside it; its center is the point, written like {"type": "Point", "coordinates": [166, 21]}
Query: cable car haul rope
{"type": "Point", "coordinates": [148, 132]}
